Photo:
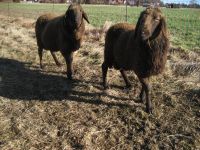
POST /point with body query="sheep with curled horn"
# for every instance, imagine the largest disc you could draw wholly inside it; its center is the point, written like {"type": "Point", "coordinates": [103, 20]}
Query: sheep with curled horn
{"type": "Point", "coordinates": [63, 33]}
{"type": "Point", "coordinates": [142, 49]}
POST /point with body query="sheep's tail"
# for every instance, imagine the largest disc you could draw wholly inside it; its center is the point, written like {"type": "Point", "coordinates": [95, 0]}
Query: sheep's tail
{"type": "Point", "coordinates": [108, 51]}
{"type": "Point", "coordinates": [39, 28]}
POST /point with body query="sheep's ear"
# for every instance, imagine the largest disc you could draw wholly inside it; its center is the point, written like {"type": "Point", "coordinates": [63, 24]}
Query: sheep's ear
{"type": "Point", "coordinates": [67, 13]}
{"type": "Point", "coordinates": [85, 17]}
{"type": "Point", "coordinates": [138, 25]}
{"type": "Point", "coordinates": [69, 7]}
{"type": "Point", "coordinates": [158, 9]}
{"type": "Point", "coordinates": [162, 28]}
{"type": "Point", "coordinates": [163, 25]}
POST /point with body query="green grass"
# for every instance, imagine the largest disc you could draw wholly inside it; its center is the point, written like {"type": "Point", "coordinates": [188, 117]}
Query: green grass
{"type": "Point", "coordinates": [183, 24]}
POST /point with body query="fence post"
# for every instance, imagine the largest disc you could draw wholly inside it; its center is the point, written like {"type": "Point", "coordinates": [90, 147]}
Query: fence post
{"type": "Point", "coordinates": [8, 10]}
{"type": "Point", "coordinates": [53, 6]}
{"type": "Point", "coordinates": [126, 18]}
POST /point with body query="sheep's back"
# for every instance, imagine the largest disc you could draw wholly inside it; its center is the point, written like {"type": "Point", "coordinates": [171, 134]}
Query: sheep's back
{"type": "Point", "coordinates": [112, 37]}
{"type": "Point", "coordinates": [123, 54]}
{"type": "Point", "coordinates": [52, 35]}
{"type": "Point", "coordinates": [41, 23]}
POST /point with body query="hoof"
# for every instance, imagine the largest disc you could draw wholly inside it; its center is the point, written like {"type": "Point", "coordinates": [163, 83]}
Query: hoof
{"type": "Point", "coordinates": [149, 110]}
{"type": "Point", "coordinates": [129, 86]}
{"type": "Point", "coordinates": [69, 76]}
{"type": "Point", "coordinates": [41, 67]}
{"type": "Point", "coordinates": [105, 86]}
{"type": "Point", "coordinates": [59, 64]}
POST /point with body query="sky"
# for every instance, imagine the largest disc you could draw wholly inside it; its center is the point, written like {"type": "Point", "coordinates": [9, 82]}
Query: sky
{"type": "Point", "coordinates": [179, 1]}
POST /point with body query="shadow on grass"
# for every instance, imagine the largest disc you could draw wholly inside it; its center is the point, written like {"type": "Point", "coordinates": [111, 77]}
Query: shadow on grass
{"type": "Point", "coordinates": [193, 97]}
{"type": "Point", "coordinates": [18, 82]}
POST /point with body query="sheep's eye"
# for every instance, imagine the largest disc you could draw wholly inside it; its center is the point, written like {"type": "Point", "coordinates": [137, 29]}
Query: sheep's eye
{"type": "Point", "coordinates": [145, 15]}
{"type": "Point", "coordinates": [157, 19]}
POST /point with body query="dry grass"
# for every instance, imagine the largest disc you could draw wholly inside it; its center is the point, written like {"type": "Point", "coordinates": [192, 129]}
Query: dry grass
{"type": "Point", "coordinates": [41, 109]}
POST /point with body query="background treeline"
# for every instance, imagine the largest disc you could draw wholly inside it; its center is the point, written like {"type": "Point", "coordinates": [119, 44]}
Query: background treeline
{"type": "Point", "coordinates": [145, 3]}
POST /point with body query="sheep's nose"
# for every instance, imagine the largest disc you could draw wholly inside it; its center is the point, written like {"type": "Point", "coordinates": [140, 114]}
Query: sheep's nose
{"type": "Point", "coordinates": [143, 33]}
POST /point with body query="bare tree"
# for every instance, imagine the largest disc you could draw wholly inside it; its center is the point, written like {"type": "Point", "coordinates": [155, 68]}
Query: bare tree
{"type": "Point", "coordinates": [87, 1]}
{"type": "Point", "coordinates": [138, 3]}
{"type": "Point", "coordinates": [193, 3]}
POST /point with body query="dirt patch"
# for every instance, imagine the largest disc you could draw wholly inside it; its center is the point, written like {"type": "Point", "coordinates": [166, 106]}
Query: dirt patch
{"type": "Point", "coordinates": [41, 109]}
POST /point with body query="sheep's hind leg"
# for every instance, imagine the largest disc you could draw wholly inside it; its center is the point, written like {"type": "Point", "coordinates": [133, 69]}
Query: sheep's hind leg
{"type": "Point", "coordinates": [68, 58]}
{"type": "Point", "coordinates": [40, 53]}
{"type": "Point", "coordinates": [142, 95]}
{"type": "Point", "coordinates": [104, 74]}
{"type": "Point", "coordinates": [128, 84]}
{"type": "Point", "coordinates": [146, 87]}
{"type": "Point", "coordinates": [55, 59]}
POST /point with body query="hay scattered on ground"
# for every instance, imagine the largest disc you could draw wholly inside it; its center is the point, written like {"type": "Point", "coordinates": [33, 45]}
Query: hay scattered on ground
{"type": "Point", "coordinates": [41, 109]}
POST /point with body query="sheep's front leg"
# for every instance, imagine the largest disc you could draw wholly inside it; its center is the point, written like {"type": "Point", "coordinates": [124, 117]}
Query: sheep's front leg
{"type": "Point", "coordinates": [146, 88]}
{"type": "Point", "coordinates": [55, 59]}
{"type": "Point", "coordinates": [142, 95]}
{"type": "Point", "coordinates": [68, 58]}
{"type": "Point", "coordinates": [40, 53]}
{"type": "Point", "coordinates": [128, 83]}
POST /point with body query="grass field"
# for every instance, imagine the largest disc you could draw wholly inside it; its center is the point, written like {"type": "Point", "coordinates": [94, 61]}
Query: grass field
{"type": "Point", "coordinates": [41, 109]}
{"type": "Point", "coordinates": [184, 24]}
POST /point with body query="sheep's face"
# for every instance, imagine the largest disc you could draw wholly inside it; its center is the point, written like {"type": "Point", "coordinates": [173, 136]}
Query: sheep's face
{"type": "Point", "coordinates": [148, 23]}
{"type": "Point", "coordinates": [75, 15]}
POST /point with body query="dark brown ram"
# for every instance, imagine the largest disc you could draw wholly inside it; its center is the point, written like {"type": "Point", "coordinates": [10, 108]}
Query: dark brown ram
{"type": "Point", "coordinates": [142, 49]}
{"type": "Point", "coordinates": [63, 33]}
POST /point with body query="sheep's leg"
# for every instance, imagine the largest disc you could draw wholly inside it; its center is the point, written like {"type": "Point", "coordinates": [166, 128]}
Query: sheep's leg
{"type": "Point", "coordinates": [128, 84]}
{"type": "Point", "coordinates": [40, 52]}
{"type": "Point", "coordinates": [146, 87]}
{"type": "Point", "coordinates": [68, 58]}
{"type": "Point", "coordinates": [142, 95]}
{"type": "Point", "coordinates": [104, 73]}
{"type": "Point", "coordinates": [55, 59]}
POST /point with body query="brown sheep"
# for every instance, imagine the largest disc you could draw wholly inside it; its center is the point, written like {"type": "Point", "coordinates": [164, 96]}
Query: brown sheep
{"type": "Point", "coordinates": [142, 49]}
{"type": "Point", "coordinates": [63, 33]}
